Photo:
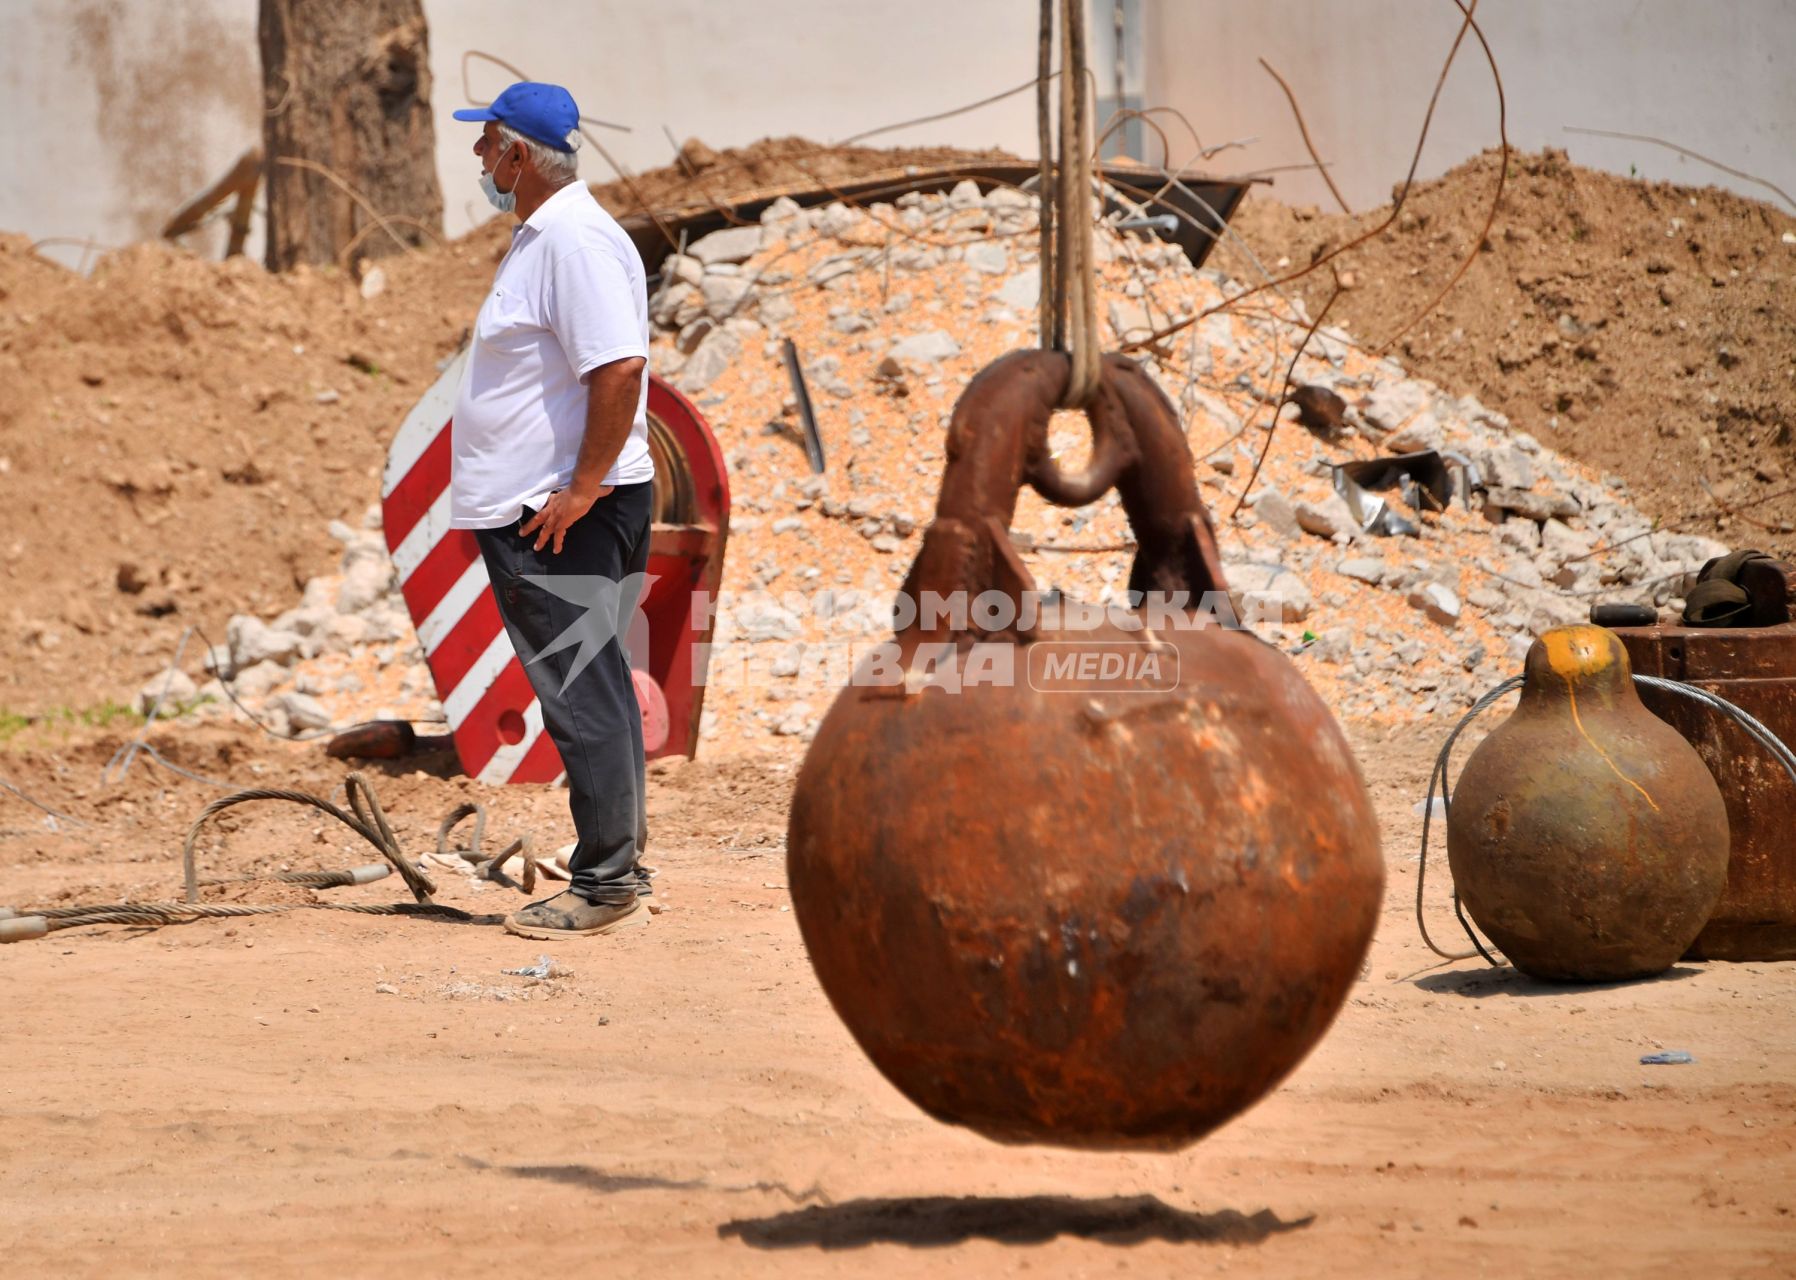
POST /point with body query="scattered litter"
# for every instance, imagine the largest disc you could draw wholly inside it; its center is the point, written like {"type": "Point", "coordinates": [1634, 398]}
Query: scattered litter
{"type": "Point", "coordinates": [385, 989]}
{"type": "Point", "coordinates": [545, 967]}
{"type": "Point", "coordinates": [1439, 812]}
{"type": "Point", "coordinates": [1670, 1058]}
{"type": "Point", "coordinates": [1426, 481]}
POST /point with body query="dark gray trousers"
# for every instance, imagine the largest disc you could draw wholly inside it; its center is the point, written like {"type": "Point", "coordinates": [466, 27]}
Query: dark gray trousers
{"type": "Point", "coordinates": [594, 720]}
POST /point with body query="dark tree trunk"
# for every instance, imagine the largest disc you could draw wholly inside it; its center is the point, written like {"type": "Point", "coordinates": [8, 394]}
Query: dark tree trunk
{"type": "Point", "coordinates": [346, 86]}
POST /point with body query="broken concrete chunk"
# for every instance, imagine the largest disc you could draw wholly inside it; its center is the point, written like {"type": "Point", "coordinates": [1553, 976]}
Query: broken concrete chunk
{"type": "Point", "coordinates": [1021, 290]}
{"type": "Point", "coordinates": [682, 268]}
{"type": "Point", "coordinates": [782, 209]}
{"type": "Point", "coordinates": [1437, 601]}
{"type": "Point", "coordinates": [1532, 505]}
{"type": "Point", "coordinates": [988, 258]}
{"type": "Point", "coordinates": [1562, 542]}
{"type": "Point", "coordinates": [1272, 507]}
{"type": "Point", "coordinates": [1392, 404]}
{"type": "Point", "coordinates": [1367, 569]}
{"type": "Point", "coordinates": [367, 581]}
{"type": "Point", "coordinates": [1130, 319]}
{"type": "Point", "coordinates": [1329, 518]}
{"type": "Point", "coordinates": [688, 339]}
{"type": "Point", "coordinates": [1423, 433]}
{"type": "Point", "coordinates": [730, 245]}
{"type": "Point", "coordinates": [1267, 593]}
{"type": "Point", "coordinates": [936, 344]}
{"type": "Point", "coordinates": [1507, 468]}
{"type": "Point", "coordinates": [304, 711]}
{"type": "Point", "coordinates": [723, 295]}
{"type": "Point", "coordinates": [965, 195]}
{"type": "Point", "coordinates": [252, 641]}
{"type": "Point", "coordinates": [668, 303]}
{"type": "Point", "coordinates": [715, 353]}
{"type": "Point", "coordinates": [255, 681]}
{"type": "Point", "coordinates": [180, 692]}
{"type": "Point", "coordinates": [838, 220]}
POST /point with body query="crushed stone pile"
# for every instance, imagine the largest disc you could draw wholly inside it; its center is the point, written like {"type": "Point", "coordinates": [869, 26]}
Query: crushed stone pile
{"type": "Point", "coordinates": [893, 309]}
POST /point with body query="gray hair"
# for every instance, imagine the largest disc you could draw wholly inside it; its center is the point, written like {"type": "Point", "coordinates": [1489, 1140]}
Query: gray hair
{"type": "Point", "coordinates": [556, 167]}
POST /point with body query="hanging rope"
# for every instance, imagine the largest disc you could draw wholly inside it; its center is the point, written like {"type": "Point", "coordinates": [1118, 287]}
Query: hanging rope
{"type": "Point", "coordinates": [1044, 131]}
{"type": "Point", "coordinates": [1069, 283]}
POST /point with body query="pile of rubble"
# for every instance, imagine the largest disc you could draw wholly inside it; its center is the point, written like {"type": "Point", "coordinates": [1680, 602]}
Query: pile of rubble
{"type": "Point", "coordinates": [893, 308]}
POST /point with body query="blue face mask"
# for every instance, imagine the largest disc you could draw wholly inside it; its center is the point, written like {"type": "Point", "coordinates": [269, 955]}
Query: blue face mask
{"type": "Point", "coordinates": [503, 201]}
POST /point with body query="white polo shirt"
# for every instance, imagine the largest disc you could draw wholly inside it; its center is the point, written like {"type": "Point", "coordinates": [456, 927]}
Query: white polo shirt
{"type": "Point", "coordinates": [569, 296]}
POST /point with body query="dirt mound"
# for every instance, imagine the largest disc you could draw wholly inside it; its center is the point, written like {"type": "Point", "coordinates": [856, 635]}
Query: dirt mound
{"type": "Point", "coordinates": [177, 434]}
{"type": "Point", "coordinates": [1643, 328]}
{"type": "Point", "coordinates": [706, 177]}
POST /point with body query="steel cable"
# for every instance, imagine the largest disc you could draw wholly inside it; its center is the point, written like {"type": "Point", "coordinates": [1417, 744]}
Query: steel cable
{"type": "Point", "coordinates": [364, 816]}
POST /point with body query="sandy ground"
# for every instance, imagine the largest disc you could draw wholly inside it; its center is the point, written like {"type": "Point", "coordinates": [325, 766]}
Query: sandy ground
{"type": "Point", "coordinates": [249, 1098]}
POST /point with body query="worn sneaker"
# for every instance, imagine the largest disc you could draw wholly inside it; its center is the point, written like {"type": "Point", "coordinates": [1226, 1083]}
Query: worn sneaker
{"type": "Point", "coordinates": [568, 915]}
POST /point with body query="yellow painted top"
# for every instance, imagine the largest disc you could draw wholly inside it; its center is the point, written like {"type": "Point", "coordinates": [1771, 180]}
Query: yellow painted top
{"type": "Point", "coordinates": [1575, 652]}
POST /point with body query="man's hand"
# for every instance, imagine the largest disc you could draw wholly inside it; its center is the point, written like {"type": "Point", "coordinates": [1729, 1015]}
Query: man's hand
{"type": "Point", "coordinates": [558, 515]}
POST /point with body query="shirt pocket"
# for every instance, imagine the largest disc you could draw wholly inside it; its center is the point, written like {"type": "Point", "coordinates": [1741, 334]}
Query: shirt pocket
{"type": "Point", "coordinates": [506, 320]}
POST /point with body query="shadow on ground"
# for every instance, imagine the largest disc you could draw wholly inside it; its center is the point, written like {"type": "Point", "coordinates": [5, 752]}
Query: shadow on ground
{"type": "Point", "coordinates": [591, 1179]}
{"type": "Point", "coordinates": [1507, 981]}
{"type": "Point", "coordinates": [945, 1220]}
{"type": "Point", "coordinates": [588, 1178]}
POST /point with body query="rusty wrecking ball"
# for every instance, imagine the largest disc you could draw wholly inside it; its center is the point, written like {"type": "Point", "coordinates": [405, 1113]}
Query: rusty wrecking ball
{"type": "Point", "coordinates": [1074, 907]}
{"type": "Point", "coordinates": [1586, 837]}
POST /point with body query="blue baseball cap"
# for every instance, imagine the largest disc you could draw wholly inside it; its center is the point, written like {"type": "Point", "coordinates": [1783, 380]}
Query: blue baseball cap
{"type": "Point", "coordinates": [543, 112]}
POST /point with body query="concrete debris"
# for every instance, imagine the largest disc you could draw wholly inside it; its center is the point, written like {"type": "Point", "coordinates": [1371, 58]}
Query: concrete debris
{"type": "Point", "coordinates": [1331, 518]}
{"type": "Point", "coordinates": [1423, 433]}
{"type": "Point", "coordinates": [1364, 569]}
{"type": "Point", "coordinates": [729, 246]}
{"type": "Point", "coordinates": [1530, 504]}
{"type": "Point", "coordinates": [723, 295]}
{"type": "Point", "coordinates": [891, 329]}
{"type": "Point", "coordinates": [715, 353]}
{"type": "Point", "coordinates": [930, 347]}
{"type": "Point", "coordinates": [1275, 510]}
{"type": "Point", "coordinates": [174, 689]}
{"type": "Point", "coordinates": [1267, 593]}
{"type": "Point", "coordinates": [1437, 601]}
{"type": "Point", "coordinates": [304, 712]}
{"type": "Point", "coordinates": [250, 640]}
{"type": "Point", "coordinates": [1021, 291]}
{"type": "Point", "coordinates": [988, 257]}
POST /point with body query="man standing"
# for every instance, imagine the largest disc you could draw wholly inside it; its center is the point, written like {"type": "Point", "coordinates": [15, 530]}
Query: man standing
{"type": "Point", "coordinates": [552, 471]}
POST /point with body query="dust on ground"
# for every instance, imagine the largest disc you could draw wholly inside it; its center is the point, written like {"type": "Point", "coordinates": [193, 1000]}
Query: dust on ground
{"type": "Point", "coordinates": [322, 1092]}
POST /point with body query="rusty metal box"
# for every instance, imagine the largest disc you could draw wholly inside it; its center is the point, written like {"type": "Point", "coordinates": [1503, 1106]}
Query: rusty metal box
{"type": "Point", "coordinates": [1755, 669]}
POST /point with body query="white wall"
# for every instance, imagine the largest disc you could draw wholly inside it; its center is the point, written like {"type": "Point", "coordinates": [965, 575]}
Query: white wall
{"type": "Point", "coordinates": [732, 71]}
{"type": "Point", "coordinates": [117, 110]}
{"type": "Point", "coordinates": [1718, 76]}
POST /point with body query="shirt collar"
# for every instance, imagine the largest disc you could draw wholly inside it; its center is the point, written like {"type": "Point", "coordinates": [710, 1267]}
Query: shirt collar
{"type": "Point", "coordinates": [556, 205]}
